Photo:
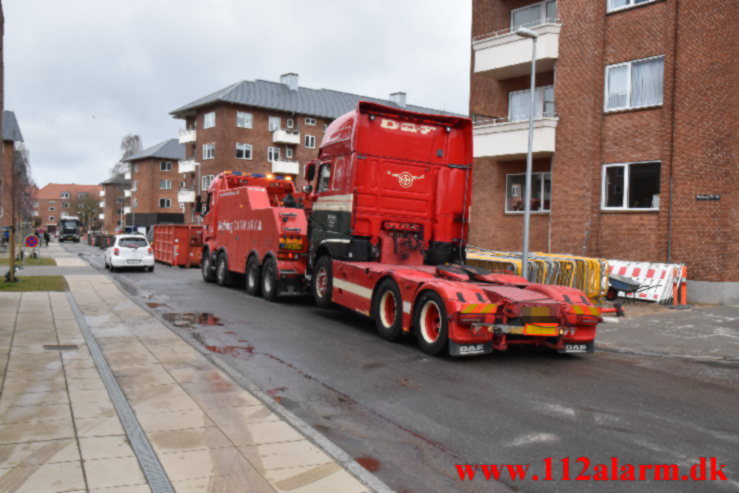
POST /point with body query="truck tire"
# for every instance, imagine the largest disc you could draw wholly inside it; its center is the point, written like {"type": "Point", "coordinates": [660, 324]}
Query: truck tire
{"type": "Point", "coordinates": [252, 278]}
{"type": "Point", "coordinates": [323, 282]}
{"type": "Point", "coordinates": [431, 324]}
{"type": "Point", "coordinates": [223, 275]}
{"type": "Point", "coordinates": [387, 308]}
{"type": "Point", "coordinates": [269, 279]}
{"type": "Point", "coordinates": [206, 267]}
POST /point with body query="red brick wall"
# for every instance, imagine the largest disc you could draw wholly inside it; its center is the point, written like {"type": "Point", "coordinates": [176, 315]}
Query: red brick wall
{"type": "Point", "coordinates": [111, 206]}
{"type": "Point", "coordinates": [6, 162]}
{"type": "Point", "coordinates": [147, 174]}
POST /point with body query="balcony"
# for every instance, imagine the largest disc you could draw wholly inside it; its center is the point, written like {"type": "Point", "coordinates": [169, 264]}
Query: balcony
{"type": "Point", "coordinates": [504, 54]}
{"type": "Point", "coordinates": [126, 210]}
{"type": "Point", "coordinates": [102, 193]}
{"type": "Point", "coordinates": [187, 166]}
{"type": "Point", "coordinates": [127, 193]}
{"type": "Point", "coordinates": [101, 216]}
{"type": "Point", "coordinates": [283, 136]}
{"type": "Point", "coordinates": [102, 203]}
{"type": "Point", "coordinates": [504, 140]}
{"type": "Point", "coordinates": [286, 167]}
{"type": "Point", "coordinates": [185, 196]}
{"type": "Point", "coordinates": [187, 135]}
{"type": "Point", "coordinates": [127, 175]}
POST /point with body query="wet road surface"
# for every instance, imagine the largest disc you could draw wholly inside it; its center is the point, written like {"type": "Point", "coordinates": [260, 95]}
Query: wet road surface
{"type": "Point", "coordinates": [410, 418]}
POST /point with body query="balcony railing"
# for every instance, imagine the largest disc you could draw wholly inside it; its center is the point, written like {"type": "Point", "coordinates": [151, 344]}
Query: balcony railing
{"type": "Point", "coordinates": [284, 136]}
{"type": "Point", "coordinates": [102, 193]}
{"type": "Point", "coordinates": [187, 166]}
{"type": "Point", "coordinates": [503, 54]}
{"type": "Point", "coordinates": [102, 203]}
{"type": "Point", "coordinates": [286, 167]}
{"type": "Point", "coordinates": [126, 210]}
{"type": "Point", "coordinates": [503, 139]}
{"type": "Point", "coordinates": [186, 196]}
{"type": "Point", "coordinates": [127, 193]}
{"type": "Point", "coordinates": [187, 135]}
{"type": "Point", "coordinates": [101, 216]}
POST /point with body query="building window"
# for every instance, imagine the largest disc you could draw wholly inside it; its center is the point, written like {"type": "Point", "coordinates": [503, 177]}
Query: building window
{"type": "Point", "coordinates": [82, 195]}
{"type": "Point", "coordinates": [541, 192]}
{"type": "Point", "coordinates": [65, 205]}
{"type": "Point", "coordinates": [625, 4]}
{"type": "Point", "coordinates": [135, 186]}
{"type": "Point", "coordinates": [243, 151]}
{"type": "Point", "coordinates": [634, 84]}
{"type": "Point", "coordinates": [51, 209]}
{"type": "Point", "coordinates": [534, 14]}
{"type": "Point", "coordinates": [51, 218]}
{"type": "Point", "coordinates": [288, 153]}
{"type": "Point", "coordinates": [165, 166]}
{"type": "Point", "coordinates": [65, 195]}
{"type": "Point", "coordinates": [310, 121]}
{"type": "Point", "coordinates": [165, 184]}
{"type": "Point", "coordinates": [274, 123]}
{"type": "Point", "coordinates": [165, 203]}
{"type": "Point", "coordinates": [205, 181]}
{"type": "Point", "coordinates": [630, 186]}
{"type": "Point", "coordinates": [209, 151]}
{"type": "Point", "coordinates": [273, 154]}
{"type": "Point", "coordinates": [136, 168]}
{"type": "Point", "coordinates": [518, 103]}
{"type": "Point", "coordinates": [35, 203]}
{"type": "Point", "coordinates": [244, 119]}
{"type": "Point", "coordinates": [325, 127]}
{"type": "Point", "coordinates": [209, 120]}
{"type": "Point", "coordinates": [290, 123]}
{"type": "Point", "coordinates": [310, 141]}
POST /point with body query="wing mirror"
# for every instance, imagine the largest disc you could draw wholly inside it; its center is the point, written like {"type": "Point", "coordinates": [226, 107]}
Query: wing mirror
{"type": "Point", "coordinates": [310, 171]}
{"type": "Point", "coordinates": [307, 189]}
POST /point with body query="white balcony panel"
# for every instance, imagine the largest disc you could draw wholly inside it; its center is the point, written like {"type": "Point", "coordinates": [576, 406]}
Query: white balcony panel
{"type": "Point", "coordinates": [187, 166]}
{"type": "Point", "coordinates": [509, 55]}
{"type": "Point", "coordinates": [102, 203]}
{"type": "Point", "coordinates": [102, 193]}
{"type": "Point", "coordinates": [286, 167]}
{"type": "Point", "coordinates": [510, 140]}
{"type": "Point", "coordinates": [101, 216]}
{"type": "Point", "coordinates": [187, 136]}
{"type": "Point", "coordinates": [126, 210]}
{"type": "Point", "coordinates": [127, 193]}
{"type": "Point", "coordinates": [284, 136]}
{"type": "Point", "coordinates": [127, 175]}
{"type": "Point", "coordinates": [186, 196]}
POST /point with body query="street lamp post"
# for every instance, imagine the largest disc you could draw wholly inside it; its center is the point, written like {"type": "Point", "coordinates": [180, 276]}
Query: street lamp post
{"type": "Point", "coordinates": [528, 33]}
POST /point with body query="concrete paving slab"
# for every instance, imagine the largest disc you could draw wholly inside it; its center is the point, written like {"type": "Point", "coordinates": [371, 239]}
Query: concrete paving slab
{"type": "Point", "coordinates": [58, 476]}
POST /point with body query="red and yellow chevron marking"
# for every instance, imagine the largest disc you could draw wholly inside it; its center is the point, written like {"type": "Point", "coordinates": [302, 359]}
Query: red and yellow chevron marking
{"type": "Point", "coordinates": [480, 308]}
{"type": "Point", "coordinates": [585, 310]}
{"type": "Point", "coordinates": [541, 329]}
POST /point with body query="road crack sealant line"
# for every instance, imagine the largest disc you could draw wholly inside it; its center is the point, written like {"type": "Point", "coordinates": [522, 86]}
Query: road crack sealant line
{"type": "Point", "coordinates": [334, 451]}
{"type": "Point", "coordinates": [150, 465]}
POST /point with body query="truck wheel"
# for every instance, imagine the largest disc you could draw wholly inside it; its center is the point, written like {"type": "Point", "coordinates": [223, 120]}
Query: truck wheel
{"type": "Point", "coordinates": [431, 323]}
{"type": "Point", "coordinates": [223, 276]}
{"type": "Point", "coordinates": [388, 310]}
{"type": "Point", "coordinates": [252, 276]}
{"type": "Point", "coordinates": [323, 282]}
{"type": "Point", "coordinates": [206, 268]}
{"type": "Point", "coordinates": [269, 279]}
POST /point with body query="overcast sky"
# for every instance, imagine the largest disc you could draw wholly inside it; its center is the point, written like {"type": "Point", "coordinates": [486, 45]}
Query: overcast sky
{"type": "Point", "coordinates": [80, 74]}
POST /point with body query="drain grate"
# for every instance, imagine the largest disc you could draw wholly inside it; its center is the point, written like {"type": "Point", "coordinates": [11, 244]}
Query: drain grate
{"type": "Point", "coordinates": [60, 347]}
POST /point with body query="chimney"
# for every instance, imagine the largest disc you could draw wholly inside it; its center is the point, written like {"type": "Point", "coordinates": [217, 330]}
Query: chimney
{"type": "Point", "coordinates": [290, 80]}
{"type": "Point", "coordinates": [398, 98]}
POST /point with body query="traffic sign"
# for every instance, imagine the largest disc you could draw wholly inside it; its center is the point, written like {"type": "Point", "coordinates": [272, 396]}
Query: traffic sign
{"type": "Point", "coordinates": [31, 241]}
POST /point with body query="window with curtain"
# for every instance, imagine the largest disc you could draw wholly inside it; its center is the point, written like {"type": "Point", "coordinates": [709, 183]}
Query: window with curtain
{"type": "Point", "coordinates": [628, 186]}
{"type": "Point", "coordinates": [518, 103]}
{"type": "Point", "coordinates": [623, 4]}
{"type": "Point", "coordinates": [541, 192]}
{"type": "Point", "coordinates": [634, 84]}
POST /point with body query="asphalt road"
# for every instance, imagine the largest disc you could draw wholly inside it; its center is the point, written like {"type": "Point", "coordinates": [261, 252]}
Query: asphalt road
{"type": "Point", "coordinates": [411, 418]}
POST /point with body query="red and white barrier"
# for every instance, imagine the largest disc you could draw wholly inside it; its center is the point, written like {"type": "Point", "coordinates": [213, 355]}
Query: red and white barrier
{"type": "Point", "coordinates": [659, 283]}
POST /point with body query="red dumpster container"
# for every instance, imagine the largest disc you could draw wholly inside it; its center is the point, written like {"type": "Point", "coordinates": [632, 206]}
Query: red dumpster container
{"type": "Point", "coordinates": [178, 244]}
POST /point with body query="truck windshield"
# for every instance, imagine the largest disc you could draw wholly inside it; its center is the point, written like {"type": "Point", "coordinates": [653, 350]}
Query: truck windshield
{"type": "Point", "coordinates": [69, 224]}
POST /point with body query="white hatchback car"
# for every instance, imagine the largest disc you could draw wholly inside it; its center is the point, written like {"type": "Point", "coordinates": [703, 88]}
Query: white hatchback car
{"type": "Point", "coordinates": [129, 251]}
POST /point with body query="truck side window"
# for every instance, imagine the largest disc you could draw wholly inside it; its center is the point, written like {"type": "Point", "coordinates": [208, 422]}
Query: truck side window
{"type": "Point", "coordinates": [206, 205]}
{"type": "Point", "coordinates": [324, 178]}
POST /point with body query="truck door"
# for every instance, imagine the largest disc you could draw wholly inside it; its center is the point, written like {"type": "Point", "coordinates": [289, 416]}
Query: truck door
{"type": "Point", "coordinates": [331, 215]}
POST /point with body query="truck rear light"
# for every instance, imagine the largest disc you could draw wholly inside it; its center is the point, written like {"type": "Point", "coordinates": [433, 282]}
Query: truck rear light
{"type": "Point", "coordinates": [587, 320]}
{"type": "Point", "coordinates": [116, 251]}
{"type": "Point", "coordinates": [287, 255]}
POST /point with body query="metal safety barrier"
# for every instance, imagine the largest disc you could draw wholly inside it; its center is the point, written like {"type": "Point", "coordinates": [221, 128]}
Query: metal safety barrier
{"type": "Point", "coordinates": [659, 283]}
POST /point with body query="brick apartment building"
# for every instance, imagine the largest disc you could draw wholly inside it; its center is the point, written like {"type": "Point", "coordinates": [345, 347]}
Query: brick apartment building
{"type": "Point", "coordinates": [11, 138]}
{"type": "Point", "coordinates": [55, 201]}
{"type": "Point", "coordinates": [155, 182]}
{"type": "Point", "coordinates": [260, 127]}
{"type": "Point", "coordinates": [114, 199]}
{"type": "Point", "coordinates": [635, 140]}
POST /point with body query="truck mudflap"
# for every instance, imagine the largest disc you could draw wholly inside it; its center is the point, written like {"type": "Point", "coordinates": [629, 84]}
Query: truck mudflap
{"type": "Point", "coordinates": [456, 349]}
{"type": "Point", "coordinates": [577, 347]}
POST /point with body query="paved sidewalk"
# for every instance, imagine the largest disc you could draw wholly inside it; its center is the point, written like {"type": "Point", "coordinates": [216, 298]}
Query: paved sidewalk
{"type": "Point", "coordinates": [66, 264]}
{"type": "Point", "coordinates": [59, 430]}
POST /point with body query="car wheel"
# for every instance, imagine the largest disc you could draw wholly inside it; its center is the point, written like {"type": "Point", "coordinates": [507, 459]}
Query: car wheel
{"type": "Point", "coordinates": [150, 269]}
{"type": "Point", "coordinates": [322, 284]}
{"type": "Point", "coordinates": [206, 267]}
{"type": "Point", "coordinates": [387, 308]}
{"type": "Point", "coordinates": [252, 278]}
{"type": "Point", "coordinates": [223, 276]}
{"type": "Point", "coordinates": [431, 324]}
{"type": "Point", "coordinates": [269, 279]}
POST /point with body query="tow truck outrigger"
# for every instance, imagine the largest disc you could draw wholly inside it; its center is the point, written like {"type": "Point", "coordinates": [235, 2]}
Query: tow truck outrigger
{"type": "Point", "coordinates": [381, 228]}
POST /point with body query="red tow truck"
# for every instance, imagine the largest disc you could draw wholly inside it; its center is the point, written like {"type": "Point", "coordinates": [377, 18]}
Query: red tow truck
{"type": "Point", "coordinates": [381, 228]}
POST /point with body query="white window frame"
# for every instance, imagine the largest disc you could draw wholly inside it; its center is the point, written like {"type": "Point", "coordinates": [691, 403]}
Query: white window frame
{"type": "Point", "coordinates": [167, 201]}
{"type": "Point", "coordinates": [543, 13]}
{"type": "Point", "coordinates": [536, 175]}
{"type": "Point", "coordinates": [135, 167]}
{"type": "Point", "coordinates": [65, 205]}
{"type": "Point", "coordinates": [209, 151]}
{"type": "Point", "coordinates": [248, 119]}
{"type": "Point", "coordinates": [165, 166]}
{"type": "Point", "coordinates": [629, 65]}
{"type": "Point", "coordinates": [539, 101]}
{"type": "Point", "coordinates": [244, 147]}
{"type": "Point", "coordinates": [165, 184]}
{"type": "Point", "coordinates": [65, 195]}
{"type": "Point", "coordinates": [205, 182]}
{"type": "Point", "coordinates": [310, 121]}
{"type": "Point", "coordinates": [630, 5]}
{"type": "Point", "coordinates": [52, 209]}
{"type": "Point", "coordinates": [35, 203]}
{"type": "Point", "coordinates": [51, 218]}
{"type": "Point", "coordinates": [288, 153]}
{"type": "Point", "coordinates": [310, 141]}
{"type": "Point", "coordinates": [625, 201]}
{"type": "Point", "coordinates": [209, 120]}
{"type": "Point", "coordinates": [290, 123]}
{"type": "Point", "coordinates": [271, 153]}
{"type": "Point", "coordinates": [134, 186]}
{"type": "Point", "coordinates": [274, 123]}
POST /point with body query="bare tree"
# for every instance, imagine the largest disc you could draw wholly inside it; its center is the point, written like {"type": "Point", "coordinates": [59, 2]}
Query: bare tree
{"type": "Point", "coordinates": [87, 209]}
{"type": "Point", "coordinates": [130, 145]}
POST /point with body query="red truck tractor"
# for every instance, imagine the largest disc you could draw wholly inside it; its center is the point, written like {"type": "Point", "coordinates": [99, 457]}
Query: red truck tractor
{"type": "Point", "coordinates": [381, 228]}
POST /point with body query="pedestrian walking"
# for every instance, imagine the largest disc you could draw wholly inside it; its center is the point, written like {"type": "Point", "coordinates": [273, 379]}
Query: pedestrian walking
{"type": "Point", "coordinates": [47, 237]}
